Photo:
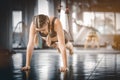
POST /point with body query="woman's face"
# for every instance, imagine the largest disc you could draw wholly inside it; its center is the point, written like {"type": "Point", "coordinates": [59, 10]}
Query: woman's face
{"type": "Point", "coordinates": [44, 29]}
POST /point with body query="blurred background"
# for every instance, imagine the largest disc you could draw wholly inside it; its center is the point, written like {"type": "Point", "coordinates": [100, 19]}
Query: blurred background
{"type": "Point", "coordinates": [101, 16]}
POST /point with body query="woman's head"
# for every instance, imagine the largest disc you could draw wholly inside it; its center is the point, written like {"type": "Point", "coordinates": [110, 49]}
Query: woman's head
{"type": "Point", "coordinates": [41, 21]}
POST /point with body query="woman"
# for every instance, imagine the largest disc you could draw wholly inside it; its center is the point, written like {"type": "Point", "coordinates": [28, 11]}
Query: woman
{"type": "Point", "coordinates": [50, 29]}
{"type": "Point", "coordinates": [92, 37]}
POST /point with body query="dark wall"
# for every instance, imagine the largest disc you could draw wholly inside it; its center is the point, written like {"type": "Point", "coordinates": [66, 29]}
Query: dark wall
{"type": "Point", "coordinates": [6, 8]}
{"type": "Point", "coordinates": [4, 23]}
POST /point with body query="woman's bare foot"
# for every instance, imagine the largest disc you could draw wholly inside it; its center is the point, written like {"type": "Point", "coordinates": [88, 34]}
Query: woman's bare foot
{"type": "Point", "coordinates": [26, 68]}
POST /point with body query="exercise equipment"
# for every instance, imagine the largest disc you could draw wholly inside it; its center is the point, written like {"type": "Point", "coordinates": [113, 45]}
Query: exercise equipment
{"type": "Point", "coordinates": [18, 37]}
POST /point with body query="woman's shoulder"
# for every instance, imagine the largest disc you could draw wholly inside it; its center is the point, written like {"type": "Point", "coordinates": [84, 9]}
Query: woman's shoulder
{"type": "Point", "coordinates": [53, 20]}
{"type": "Point", "coordinates": [52, 17]}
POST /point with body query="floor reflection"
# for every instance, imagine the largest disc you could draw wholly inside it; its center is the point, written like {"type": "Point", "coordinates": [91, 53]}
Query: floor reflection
{"type": "Point", "coordinates": [45, 66]}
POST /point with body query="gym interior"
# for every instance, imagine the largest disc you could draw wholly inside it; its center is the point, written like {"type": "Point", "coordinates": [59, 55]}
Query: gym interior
{"type": "Point", "coordinates": [93, 29]}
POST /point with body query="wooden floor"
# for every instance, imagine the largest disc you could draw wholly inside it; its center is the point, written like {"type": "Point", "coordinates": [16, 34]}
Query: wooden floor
{"type": "Point", "coordinates": [85, 64]}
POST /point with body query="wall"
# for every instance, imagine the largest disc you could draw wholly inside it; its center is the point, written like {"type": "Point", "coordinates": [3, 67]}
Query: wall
{"type": "Point", "coordinates": [6, 8]}
{"type": "Point", "coordinates": [4, 23]}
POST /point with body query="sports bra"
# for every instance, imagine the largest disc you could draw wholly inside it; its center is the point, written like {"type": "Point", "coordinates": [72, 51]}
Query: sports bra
{"type": "Point", "coordinates": [52, 32]}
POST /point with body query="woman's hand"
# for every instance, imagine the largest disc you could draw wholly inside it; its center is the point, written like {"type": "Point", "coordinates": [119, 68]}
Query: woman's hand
{"type": "Point", "coordinates": [26, 68]}
{"type": "Point", "coordinates": [63, 69]}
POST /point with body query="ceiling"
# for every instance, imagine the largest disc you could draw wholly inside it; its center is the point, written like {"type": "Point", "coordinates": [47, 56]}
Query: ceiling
{"type": "Point", "coordinates": [99, 5]}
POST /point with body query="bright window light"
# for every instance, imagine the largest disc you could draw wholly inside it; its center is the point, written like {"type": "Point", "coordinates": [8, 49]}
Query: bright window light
{"type": "Point", "coordinates": [43, 7]}
{"type": "Point", "coordinates": [16, 18]}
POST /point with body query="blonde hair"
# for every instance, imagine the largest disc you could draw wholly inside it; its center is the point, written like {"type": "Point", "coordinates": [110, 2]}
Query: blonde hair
{"type": "Point", "coordinates": [40, 20]}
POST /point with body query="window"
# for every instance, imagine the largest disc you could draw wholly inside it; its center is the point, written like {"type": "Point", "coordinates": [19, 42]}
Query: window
{"type": "Point", "coordinates": [43, 7]}
{"type": "Point", "coordinates": [104, 22]}
{"type": "Point", "coordinates": [16, 18]}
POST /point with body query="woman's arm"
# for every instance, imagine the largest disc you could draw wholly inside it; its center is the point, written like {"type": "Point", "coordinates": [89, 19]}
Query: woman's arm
{"type": "Point", "coordinates": [61, 43]}
{"type": "Point", "coordinates": [30, 47]}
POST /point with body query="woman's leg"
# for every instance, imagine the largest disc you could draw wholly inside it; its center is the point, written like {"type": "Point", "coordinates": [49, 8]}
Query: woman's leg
{"type": "Point", "coordinates": [55, 45]}
{"type": "Point", "coordinates": [69, 46]}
